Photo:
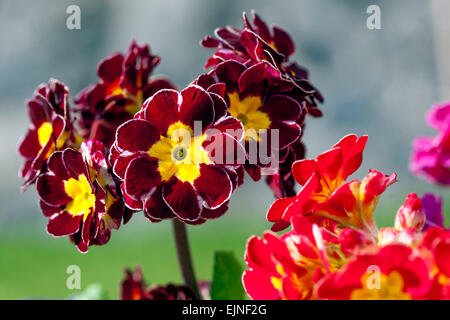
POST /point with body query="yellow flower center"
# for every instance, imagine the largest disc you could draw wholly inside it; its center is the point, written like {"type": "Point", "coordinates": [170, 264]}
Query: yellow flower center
{"type": "Point", "coordinates": [386, 287]}
{"type": "Point", "coordinates": [83, 199]}
{"type": "Point", "coordinates": [246, 110]}
{"type": "Point", "coordinates": [45, 133]}
{"type": "Point", "coordinates": [179, 153]}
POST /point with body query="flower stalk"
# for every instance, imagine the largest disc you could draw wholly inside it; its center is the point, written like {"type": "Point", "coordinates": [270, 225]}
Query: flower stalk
{"type": "Point", "coordinates": [184, 256]}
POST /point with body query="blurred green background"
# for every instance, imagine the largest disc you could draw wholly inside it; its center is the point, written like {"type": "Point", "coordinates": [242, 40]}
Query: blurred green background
{"type": "Point", "coordinates": [375, 82]}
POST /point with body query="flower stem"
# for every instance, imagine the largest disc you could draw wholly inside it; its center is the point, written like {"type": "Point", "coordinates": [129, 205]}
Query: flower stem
{"type": "Point", "coordinates": [184, 256]}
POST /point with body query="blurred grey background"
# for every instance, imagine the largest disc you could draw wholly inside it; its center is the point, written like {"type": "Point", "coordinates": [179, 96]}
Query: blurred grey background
{"type": "Point", "coordinates": [375, 82]}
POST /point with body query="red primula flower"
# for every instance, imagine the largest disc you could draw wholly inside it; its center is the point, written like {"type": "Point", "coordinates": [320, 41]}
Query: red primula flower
{"type": "Point", "coordinates": [124, 85]}
{"type": "Point", "coordinates": [175, 157]}
{"type": "Point", "coordinates": [134, 288]}
{"type": "Point", "coordinates": [252, 101]}
{"type": "Point", "coordinates": [436, 242]}
{"type": "Point", "coordinates": [287, 267]}
{"type": "Point", "coordinates": [324, 193]}
{"type": "Point", "coordinates": [50, 128]}
{"type": "Point", "coordinates": [394, 272]}
{"type": "Point", "coordinates": [78, 197]}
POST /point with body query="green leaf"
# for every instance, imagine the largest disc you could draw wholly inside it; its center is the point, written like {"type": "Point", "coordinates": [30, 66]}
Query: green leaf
{"type": "Point", "coordinates": [92, 292]}
{"type": "Point", "coordinates": [227, 283]}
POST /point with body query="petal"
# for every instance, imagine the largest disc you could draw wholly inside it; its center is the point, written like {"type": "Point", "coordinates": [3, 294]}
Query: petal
{"type": "Point", "coordinates": [288, 133]}
{"type": "Point", "coordinates": [29, 147]}
{"type": "Point", "coordinates": [73, 161]}
{"type": "Point", "coordinates": [213, 185]}
{"type": "Point", "coordinates": [196, 105]}
{"type": "Point", "coordinates": [303, 170]}
{"type": "Point", "coordinates": [136, 135]}
{"type": "Point", "coordinates": [280, 107]}
{"type": "Point", "coordinates": [122, 162]}
{"type": "Point", "coordinates": [283, 41]}
{"type": "Point", "coordinates": [155, 208]}
{"type": "Point", "coordinates": [182, 199]}
{"type": "Point", "coordinates": [141, 178]}
{"type": "Point", "coordinates": [110, 68]}
{"type": "Point", "coordinates": [161, 110]}
{"type": "Point", "coordinates": [55, 165]}
{"type": "Point", "coordinates": [63, 224]}
{"type": "Point", "coordinates": [229, 73]}
{"type": "Point", "coordinates": [215, 213]}
{"type": "Point", "coordinates": [51, 190]}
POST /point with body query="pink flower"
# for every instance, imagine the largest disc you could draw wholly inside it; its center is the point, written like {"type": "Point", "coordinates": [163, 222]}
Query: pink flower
{"type": "Point", "coordinates": [431, 155]}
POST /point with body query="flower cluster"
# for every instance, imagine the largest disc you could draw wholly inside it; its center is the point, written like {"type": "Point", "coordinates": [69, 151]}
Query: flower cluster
{"type": "Point", "coordinates": [67, 146]}
{"type": "Point", "coordinates": [266, 92]}
{"type": "Point", "coordinates": [334, 249]}
{"type": "Point", "coordinates": [132, 142]}
{"type": "Point", "coordinates": [431, 156]}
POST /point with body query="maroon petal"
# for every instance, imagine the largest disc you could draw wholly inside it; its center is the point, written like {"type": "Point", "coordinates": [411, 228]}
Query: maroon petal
{"type": "Point", "coordinates": [73, 161]}
{"type": "Point", "coordinates": [213, 185]}
{"type": "Point", "coordinates": [121, 164]}
{"type": "Point", "coordinates": [29, 147]}
{"type": "Point", "coordinates": [205, 81]}
{"type": "Point", "coordinates": [162, 109]}
{"type": "Point", "coordinates": [64, 224]}
{"type": "Point", "coordinates": [182, 199]}
{"type": "Point", "coordinates": [283, 42]}
{"type": "Point", "coordinates": [229, 73]}
{"type": "Point", "coordinates": [215, 213]}
{"type": "Point", "coordinates": [280, 108]}
{"type": "Point", "coordinates": [55, 165]}
{"type": "Point", "coordinates": [288, 132]}
{"type": "Point", "coordinates": [197, 105]}
{"type": "Point", "coordinates": [37, 113]}
{"type": "Point", "coordinates": [136, 135]}
{"type": "Point", "coordinates": [218, 88]}
{"type": "Point", "coordinates": [130, 203]}
{"type": "Point", "coordinates": [110, 68]}
{"type": "Point", "coordinates": [253, 77]}
{"type": "Point", "coordinates": [220, 106]}
{"type": "Point", "coordinates": [48, 210]}
{"type": "Point", "coordinates": [51, 190]}
{"type": "Point", "coordinates": [224, 149]}
{"type": "Point", "coordinates": [261, 28]}
{"type": "Point", "coordinates": [231, 126]}
{"type": "Point", "coordinates": [141, 177]}
{"type": "Point", "coordinates": [155, 208]}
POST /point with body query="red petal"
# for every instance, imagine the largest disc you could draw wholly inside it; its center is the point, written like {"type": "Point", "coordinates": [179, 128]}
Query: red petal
{"type": "Point", "coordinates": [110, 68]}
{"type": "Point", "coordinates": [162, 109]}
{"type": "Point", "coordinates": [213, 185]}
{"type": "Point", "coordinates": [63, 224]}
{"type": "Point", "coordinates": [155, 208]}
{"type": "Point", "coordinates": [197, 105]}
{"type": "Point", "coordinates": [282, 108]}
{"type": "Point", "coordinates": [182, 199]}
{"type": "Point", "coordinates": [136, 135]}
{"type": "Point", "coordinates": [51, 190]}
{"type": "Point", "coordinates": [141, 178]}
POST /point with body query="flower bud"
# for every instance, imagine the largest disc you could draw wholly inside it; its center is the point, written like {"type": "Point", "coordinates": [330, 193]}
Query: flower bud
{"type": "Point", "coordinates": [410, 214]}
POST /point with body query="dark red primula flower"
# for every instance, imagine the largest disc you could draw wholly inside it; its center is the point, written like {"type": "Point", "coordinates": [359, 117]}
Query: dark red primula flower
{"type": "Point", "coordinates": [124, 85]}
{"type": "Point", "coordinates": [50, 128]}
{"type": "Point", "coordinates": [133, 287]}
{"type": "Point", "coordinates": [79, 197]}
{"type": "Point", "coordinates": [175, 158]}
{"type": "Point", "coordinates": [274, 46]}
{"type": "Point", "coordinates": [258, 43]}
{"type": "Point", "coordinates": [252, 99]}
